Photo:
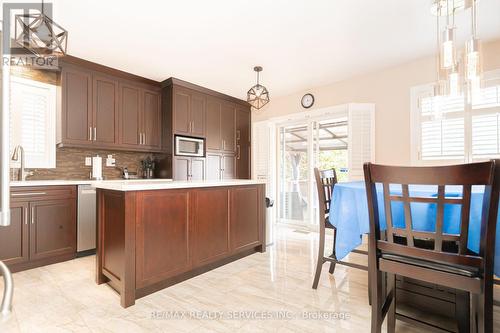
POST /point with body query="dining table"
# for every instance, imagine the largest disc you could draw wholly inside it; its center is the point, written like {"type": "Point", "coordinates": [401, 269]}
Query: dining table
{"type": "Point", "coordinates": [349, 214]}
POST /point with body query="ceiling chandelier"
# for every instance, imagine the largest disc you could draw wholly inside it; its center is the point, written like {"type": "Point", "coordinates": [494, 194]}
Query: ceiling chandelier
{"type": "Point", "coordinates": [258, 95]}
{"type": "Point", "coordinates": [448, 59]}
{"type": "Point", "coordinates": [39, 34]}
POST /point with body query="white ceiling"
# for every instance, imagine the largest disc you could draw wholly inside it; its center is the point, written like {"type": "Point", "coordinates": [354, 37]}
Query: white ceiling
{"type": "Point", "coordinates": [300, 43]}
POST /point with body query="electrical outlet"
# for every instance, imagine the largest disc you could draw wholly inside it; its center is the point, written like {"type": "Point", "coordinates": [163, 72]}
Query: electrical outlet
{"type": "Point", "coordinates": [110, 161]}
{"type": "Point", "coordinates": [88, 161]}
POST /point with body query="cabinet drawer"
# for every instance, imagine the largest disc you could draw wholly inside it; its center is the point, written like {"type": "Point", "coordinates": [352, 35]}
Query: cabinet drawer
{"type": "Point", "coordinates": [21, 194]}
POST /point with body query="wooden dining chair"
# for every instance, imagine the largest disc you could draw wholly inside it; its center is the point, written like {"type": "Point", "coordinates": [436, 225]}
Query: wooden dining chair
{"type": "Point", "coordinates": [398, 250]}
{"type": "Point", "coordinates": [325, 181]}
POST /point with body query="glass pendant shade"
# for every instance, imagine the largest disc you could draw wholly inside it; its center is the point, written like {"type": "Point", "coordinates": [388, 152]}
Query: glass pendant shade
{"type": "Point", "coordinates": [258, 95]}
{"type": "Point", "coordinates": [473, 61]}
{"type": "Point", "coordinates": [437, 100]}
{"type": "Point", "coordinates": [448, 50]}
{"type": "Point", "coordinates": [39, 34]}
{"type": "Point", "coordinates": [454, 83]}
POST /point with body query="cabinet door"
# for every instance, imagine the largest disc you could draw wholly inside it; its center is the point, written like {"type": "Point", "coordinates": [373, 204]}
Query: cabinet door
{"type": "Point", "coordinates": [162, 236]}
{"type": "Point", "coordinates": [181, 167]}
{"type": "Point", "coordinates": [14, 238]}
{"type": "Point", "coordinates": [105, 110]}
{"type": "Point", "coordinates": [245, 221]}
{"type": "Point", "coordinates": [130, 115]}
{"type": "Point", "coordinates": [228, 127]}
{"type": "Point", "coordinates": [214, 166]}
{"type": "Point", "coordinates": [197, 171]}
{"type": "Point", "coordinates": [214, 139]}
{"type": "Point", "coordinates": [53, 228]}
{"type": "Point", "coordinates": [151, 119]}
{"type": "Point", "coordinates": [181, 111]}
{"type": "Point", "coordinates": [76, 104]}
{"type": "Point", "coordinates": [228, 167]}
{"type": "Point", "coordinates": [210, 235]}
{"type": "Point", "coordinates": [243, 143]}
{"type": "Point", "coordinates": [198, 114]}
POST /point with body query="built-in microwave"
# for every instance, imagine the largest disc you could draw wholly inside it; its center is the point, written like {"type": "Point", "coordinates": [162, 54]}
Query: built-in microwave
{"type": "Point", "coordinates": [189, 146]}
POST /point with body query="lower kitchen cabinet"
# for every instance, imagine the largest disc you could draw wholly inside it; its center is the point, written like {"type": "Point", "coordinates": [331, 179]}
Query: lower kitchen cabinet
{"type": "Point", "coordinates": [189, 168]}
{"type": "Point", "coordinates": [220, 166]}
{"type": "Point", "coordinates": [14, 239]}
{"type": "Point", "coordinates": [43, 227]}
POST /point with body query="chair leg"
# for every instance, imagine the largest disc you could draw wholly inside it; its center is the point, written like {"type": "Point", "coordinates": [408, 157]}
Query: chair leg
{"type": "Point", "coordinates": [376, 297]}
{"type": "Point", "coordinates": [321, 261]}
{"type": "Point", "coordinates": [332, 264]}
{"type": "Point", "coordinates": [462, 311]}
{"type": "Point", "coordinates": [484, 307]}
{"type": "Point", "coordinates": [391, 313]}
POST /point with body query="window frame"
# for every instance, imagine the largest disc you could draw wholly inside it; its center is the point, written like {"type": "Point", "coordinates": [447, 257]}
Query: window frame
{"type": "Point", "coordinates": [416, 93]}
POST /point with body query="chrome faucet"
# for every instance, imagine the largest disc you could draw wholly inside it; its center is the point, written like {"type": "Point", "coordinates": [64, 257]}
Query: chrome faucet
{"type": "Point", "coordinates": [19, 150]}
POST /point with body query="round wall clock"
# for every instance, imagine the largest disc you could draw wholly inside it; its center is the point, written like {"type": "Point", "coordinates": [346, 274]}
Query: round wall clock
{"type": "Point", "coordinates": [307, 101]}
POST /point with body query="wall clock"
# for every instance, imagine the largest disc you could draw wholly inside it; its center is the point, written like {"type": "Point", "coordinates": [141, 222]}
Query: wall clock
{"type": "Point", "coordinates": [307, 101]}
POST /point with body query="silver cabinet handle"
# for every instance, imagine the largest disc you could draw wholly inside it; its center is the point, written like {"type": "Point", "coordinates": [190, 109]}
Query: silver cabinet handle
{"type": "Point", "coordinates": [95, 133]}
{"type": "Point", "coordinates": [140, 138]}
{"type": "Point", "coordinates": [238, 148]}
{"type": "Point", "coordinates": [26, 194]}
{"type": "Point", "coordinates": [143, 138]}
{"type": "Point", "coordinates": [32, 215]}
{"type": "Point", "coordinates": [90, 133]}
{"type": "Point", "coordinates": [238, 134]}
{"type": "Point", "coordinates": [26, 215]}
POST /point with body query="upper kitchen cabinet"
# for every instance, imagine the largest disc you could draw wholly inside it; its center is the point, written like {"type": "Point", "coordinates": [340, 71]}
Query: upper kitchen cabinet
{"type": "Point", "coordinates": [214, 138]}
{"type": "Point", "coordinates": [76, 103]}
{"type": "Point", "coordinates": [105, 111]}
{"type": "Point", "coordinates": [243, 123]}
{"type": "Point", "coordinates": [228, 130]}
{"type": "Point", "coordinates": [104, 108]}
{"type": "Point", "coordinates": [189, 112]}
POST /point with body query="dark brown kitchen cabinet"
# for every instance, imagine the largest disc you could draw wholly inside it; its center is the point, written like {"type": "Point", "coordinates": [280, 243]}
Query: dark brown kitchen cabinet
{"type": "Point", "coordinates": [14, 239]}
{"type": "Point", "coordinates": [189, 168]}
{"type": "Point", "coordinates": [214, 138]}
{"type": "Point", "coordinates": [228, 131]}
{"type": "Point", "coordinates": [76, 105]}
{"type": "Point", "coordinates": [130, 115]}
{"type": "Point", "coordinates": [220, 166]}
{"type": "Point", "coordinates": [53, 228]}
{"type": "Point", "coordinates": [245, 228]}
{"type": "Point", "coordinates": [105, 115]}
{"type": "Point", "coordinates": [151, 119]}
{"type": "Point", "coordinates": [189, 112]}
{"type": "Point", "coordinates": [243, 127]}
{"type": "Point", "coordinates": [43, 228]}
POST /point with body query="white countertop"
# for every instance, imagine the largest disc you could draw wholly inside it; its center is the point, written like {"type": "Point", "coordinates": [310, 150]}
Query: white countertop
{"type": "Point", "coordinates": [158, 184]}
{"type": "Point", "coordinates": [83, 182]}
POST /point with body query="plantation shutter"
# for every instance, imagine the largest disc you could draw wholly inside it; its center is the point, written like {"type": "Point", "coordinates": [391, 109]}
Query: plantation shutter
{"type": "Point", "coordinates": [361, 123]}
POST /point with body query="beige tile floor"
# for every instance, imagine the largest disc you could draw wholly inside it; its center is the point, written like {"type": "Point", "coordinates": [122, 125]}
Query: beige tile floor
{"type": "Point", "coordinates": [64, 297]}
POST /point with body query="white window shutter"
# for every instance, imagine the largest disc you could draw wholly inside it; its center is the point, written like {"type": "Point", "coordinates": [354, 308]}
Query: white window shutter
{"type": "Point", "coordinates": [361, 122]}
{"type": "Point", "coordinates": [33, 121]}
{"type": "Point", "coordinates": [261, 147]}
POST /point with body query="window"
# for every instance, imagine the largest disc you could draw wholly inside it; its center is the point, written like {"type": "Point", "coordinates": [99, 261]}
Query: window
{"type": "Point", "coordinates": [461, 131]}
{"type": "Point", "coordinates": [33, 121]}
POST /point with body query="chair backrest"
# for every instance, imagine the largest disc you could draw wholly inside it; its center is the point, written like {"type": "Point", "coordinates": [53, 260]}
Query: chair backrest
{"type": "Point", "coordinates": [325, 181]}
{"type": "Point", "coordinates": [409, 242]}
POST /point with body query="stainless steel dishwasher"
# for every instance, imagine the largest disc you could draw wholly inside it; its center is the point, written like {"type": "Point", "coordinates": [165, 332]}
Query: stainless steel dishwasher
{"type": "Point", "coordinates": [86, 237]}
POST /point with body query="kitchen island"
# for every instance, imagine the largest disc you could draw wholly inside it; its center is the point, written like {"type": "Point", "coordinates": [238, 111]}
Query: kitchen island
{"type": "Point", "coordinates": [151, 236]}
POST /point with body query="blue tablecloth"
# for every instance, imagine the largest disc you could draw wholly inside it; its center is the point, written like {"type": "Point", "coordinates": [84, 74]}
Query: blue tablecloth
{"type": "Point", "coordinates": [349, 213]}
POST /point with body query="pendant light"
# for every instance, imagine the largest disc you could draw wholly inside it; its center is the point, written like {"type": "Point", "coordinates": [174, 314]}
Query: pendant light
{"type": "Point", "coordinates": [473, 58]}
{"type": "Point", "coordinates": [258, 95]}
{"type": "Point", "coordinates": [448, 49]}
{"type": "Point", "coordinates": [39, 34]}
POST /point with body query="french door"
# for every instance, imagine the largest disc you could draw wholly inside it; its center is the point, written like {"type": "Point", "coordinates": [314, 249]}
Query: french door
{"type": "Point", "coordinates": [304, 145]}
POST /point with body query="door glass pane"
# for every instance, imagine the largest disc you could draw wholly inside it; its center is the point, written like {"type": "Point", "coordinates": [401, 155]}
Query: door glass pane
{"type": "Point", "coordinates": [294, 174]}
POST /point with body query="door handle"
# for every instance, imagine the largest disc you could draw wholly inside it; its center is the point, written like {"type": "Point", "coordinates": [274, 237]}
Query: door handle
{"type": "Point", "coordinates": [27, 194]}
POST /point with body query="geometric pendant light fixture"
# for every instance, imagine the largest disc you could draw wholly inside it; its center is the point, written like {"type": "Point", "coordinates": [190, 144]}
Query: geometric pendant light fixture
{"type": "Point", "coordinates": [258, 95]}
{"type": "Point", "coordinates": [39, 34]}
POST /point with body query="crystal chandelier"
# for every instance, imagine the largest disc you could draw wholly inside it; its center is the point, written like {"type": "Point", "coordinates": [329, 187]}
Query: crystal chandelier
{"type": "Point", "coordinates": [258, 95]}
{"type": "Point", "coordinates": [39, 34]}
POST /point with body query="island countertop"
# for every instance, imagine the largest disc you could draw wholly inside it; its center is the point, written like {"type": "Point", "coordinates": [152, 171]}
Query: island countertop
{"type": "Point", "coordinates": [166, 185]}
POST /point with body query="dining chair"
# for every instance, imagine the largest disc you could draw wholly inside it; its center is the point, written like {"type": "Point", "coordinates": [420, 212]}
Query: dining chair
{"type": "Point", "coordinates": [325, 182]}
{"type": "Point", "coordinates": [398, 250]}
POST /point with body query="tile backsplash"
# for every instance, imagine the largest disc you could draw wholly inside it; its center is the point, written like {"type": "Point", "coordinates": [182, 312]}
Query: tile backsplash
{"type": "Point", "coordinates": [70, 164]}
